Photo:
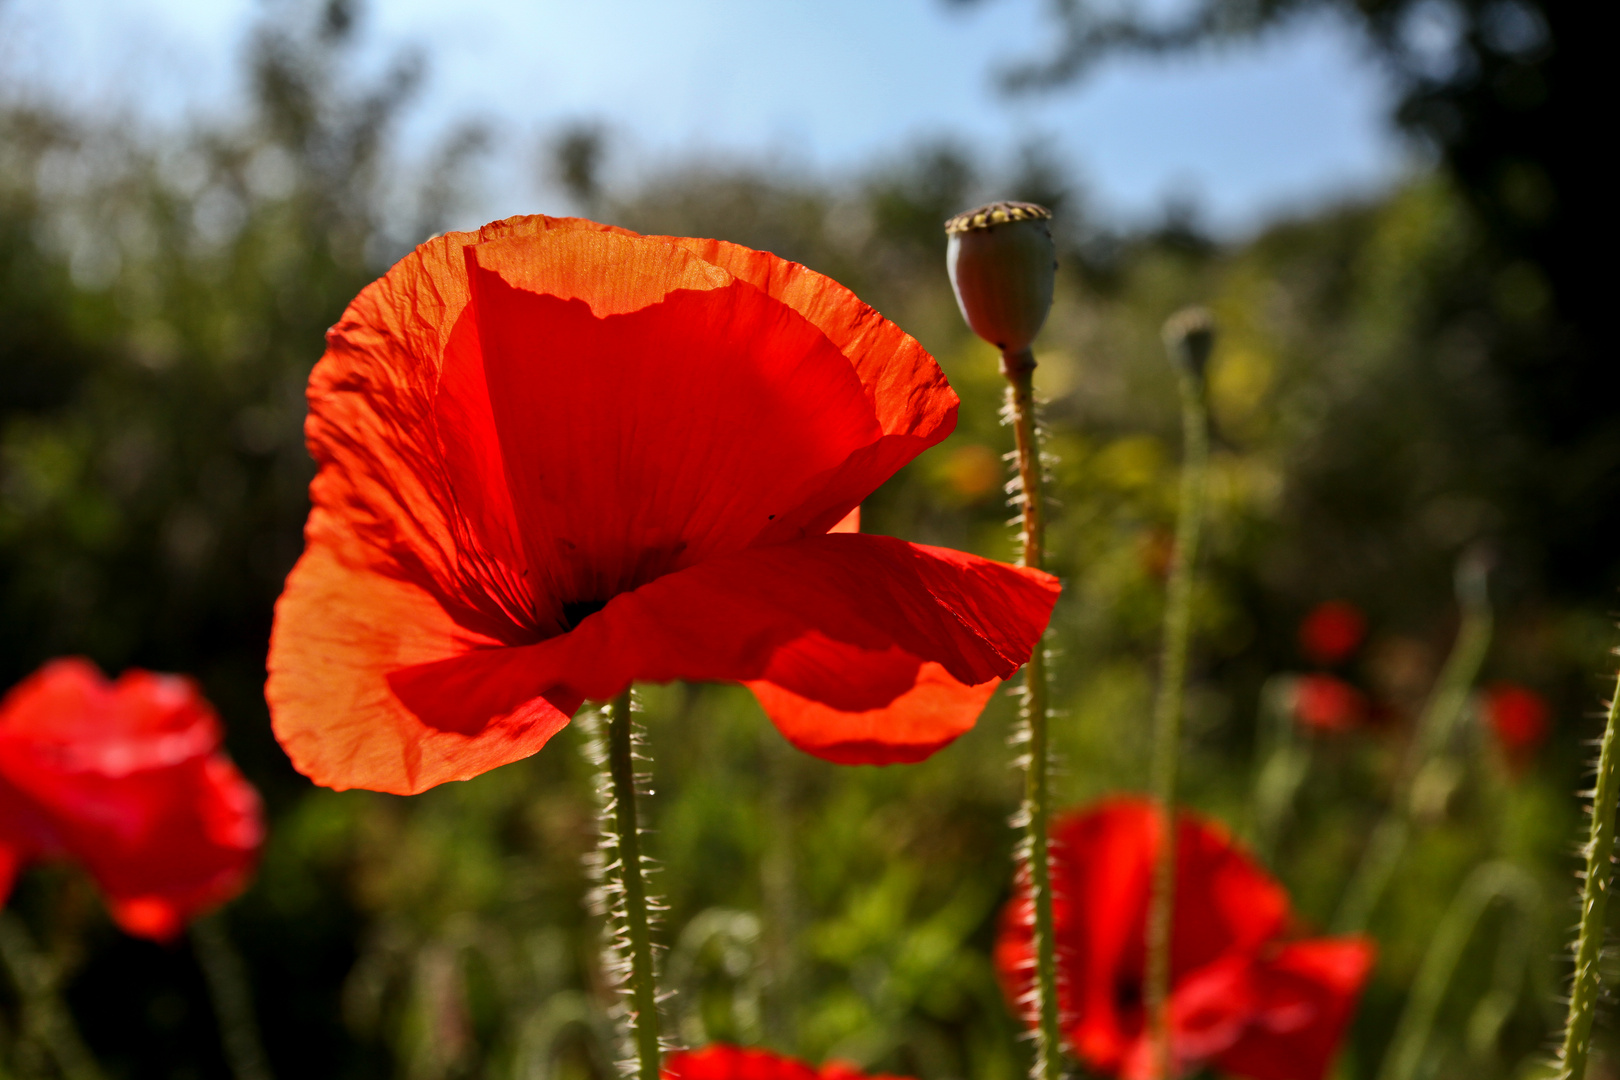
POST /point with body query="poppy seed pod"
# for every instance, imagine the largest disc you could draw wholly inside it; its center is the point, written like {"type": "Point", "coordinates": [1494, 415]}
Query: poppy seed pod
{"type": "Point", "coordinates": [1189, 335]}
{"type": "Point", "coordinates": [1002, 263]}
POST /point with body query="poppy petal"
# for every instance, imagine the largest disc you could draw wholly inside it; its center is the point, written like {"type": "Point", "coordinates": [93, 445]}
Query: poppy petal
{"type": "Point", "coordinates": [728, 619]}
{"type": "Point", "coordinates": [439, 549]}
{"type": "Point", "coordinates": [719, 1061]}
{"type": "Point", "coordinates": [671, 417]}
{"type": "Point", "coordinates": [930, 710]}
{"type": "Point", "coordinates": [906, 386]}
{"type": "Point", "coordinates": [338, 631]}
{"type": "Point", "coordinates": [915, 406]}
{"type": "Point", "coordinates": [849, 523]}
{"type": "Point", "coordinates": [128, 780]}
{"type": "Point", "coordinates": [1228, 911]}
{"type": "Point", "coordinates": [387, 438]}
{"type": "Point", "coordinates": [376, 432]}
{"type": "Point", "coordinates": [1240, 906]}
{"type": "Point", "coordinates": [1307, 994]}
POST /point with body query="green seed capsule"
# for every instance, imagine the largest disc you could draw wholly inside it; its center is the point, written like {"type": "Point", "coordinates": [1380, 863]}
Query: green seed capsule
{"type": "Point", "coordinates": [1002, 264]}
{"type": "Point", "coordinates": [1189, 335]}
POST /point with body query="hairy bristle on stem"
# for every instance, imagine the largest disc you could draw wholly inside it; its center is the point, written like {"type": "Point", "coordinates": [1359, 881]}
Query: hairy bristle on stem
{"type": "Point", "coordinates": [620, 869]}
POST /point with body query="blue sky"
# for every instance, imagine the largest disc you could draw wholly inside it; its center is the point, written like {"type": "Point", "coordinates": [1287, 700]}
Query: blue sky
{"type": "Point", "coordinates": [817, 85]}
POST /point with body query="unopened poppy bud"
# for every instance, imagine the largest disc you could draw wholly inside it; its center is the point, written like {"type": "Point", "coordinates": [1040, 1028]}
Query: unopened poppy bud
{"type": "Point", "coordinates": [1189, 335]}
{"type": "Point", "coordinates": [1002, 264]}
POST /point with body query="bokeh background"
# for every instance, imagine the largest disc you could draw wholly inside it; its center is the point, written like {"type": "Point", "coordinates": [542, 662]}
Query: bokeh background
{"type": "Point", "coordinates": [1392, 206]}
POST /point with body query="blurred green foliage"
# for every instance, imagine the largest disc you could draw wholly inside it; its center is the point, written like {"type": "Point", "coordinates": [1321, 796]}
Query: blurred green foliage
{"type": "Point", "coordinates": [163, 296]}
{"type": "Point", "coordinates": [1502, 94]}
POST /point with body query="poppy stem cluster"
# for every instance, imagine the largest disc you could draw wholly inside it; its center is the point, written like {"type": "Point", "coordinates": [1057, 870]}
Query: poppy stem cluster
{"type": "Point", "coordinates": [1434, 731]}
{"type": "Point", "coordinates": [1189, 336]}
{"type": "Point", "coordinates": [631, 890]}
{"type": "Point", "coordinates": [1583, 994]}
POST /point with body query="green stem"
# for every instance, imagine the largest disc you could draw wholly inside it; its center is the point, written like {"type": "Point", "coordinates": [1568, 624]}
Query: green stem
{"type": "Point", "coordinates": [1285, 761]}
{"type": "Point", "coordinates": [1434, 731]}
{"type": "Point", "coordinates": [779, 891]}
{"type": "Point", "coordinates": [232, 996]}
{"type": "Point", "coordinates": [1594, 906]}
{"type": "Point", "coordinates": [1168, 708]}
{"type": "Point", "coordinates": [45, 1017]}
{"type": "Point", "coordinates": [632, 882]}
{"type": "Point", "coordinates": [1491, 882]}
{"type": "Point", "coordinates": [1019, 368]}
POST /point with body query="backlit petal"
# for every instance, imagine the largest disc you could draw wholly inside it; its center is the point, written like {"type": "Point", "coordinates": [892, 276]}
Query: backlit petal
{"type": "Point", "coordinates": [650, 427]}
{"type": "Point", "coordinates": [338, 632]}
{"type": "Point", "coordinates": [929, 712]}
{"type": "Point", "coordinates": [915, 406]}
{"type": "Point", "coordinates": [731, 618]}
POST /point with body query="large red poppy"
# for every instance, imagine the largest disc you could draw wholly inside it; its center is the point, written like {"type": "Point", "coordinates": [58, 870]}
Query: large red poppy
{"type": "Point", "coordinates": [556, 457]}
{"type": "Point", "coordinates": [719, 1061]}
{"type": "Point", "coordinates": [1245, 997]}
{"type": "Point", "coordinates": [128, 778]}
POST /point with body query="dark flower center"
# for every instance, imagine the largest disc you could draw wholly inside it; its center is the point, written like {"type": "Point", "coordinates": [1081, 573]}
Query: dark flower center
{"type": "Point", "coordinates": [576, 611]}
{"type": "Point", "coordinates": [1127, 994]}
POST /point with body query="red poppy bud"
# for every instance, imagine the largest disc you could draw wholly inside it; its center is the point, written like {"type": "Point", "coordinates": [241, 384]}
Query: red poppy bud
{"type": "Point", "coordinates": [126, 777]}
{"type": "Point", "coordinates": [1332, 632]}
{"type": "Point", "coordinates": [1003, 264]}
{"type": "Point", "coordinates": [1520, 718]}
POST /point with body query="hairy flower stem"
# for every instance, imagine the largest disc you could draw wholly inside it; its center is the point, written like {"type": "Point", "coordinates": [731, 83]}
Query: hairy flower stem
{"type": "Point", "coordinates": [642, 986]}
{"type": "Point", "coordinates": [1019, 367]}
{"type": "Point", "coordinates": [1594, 905]}
{"type": "Point", "coordinates": [230, 991]}
{"type": "Point", "coordinates": [45, 1018]}
{"type": "Point", "coordinates": [1168, 708]}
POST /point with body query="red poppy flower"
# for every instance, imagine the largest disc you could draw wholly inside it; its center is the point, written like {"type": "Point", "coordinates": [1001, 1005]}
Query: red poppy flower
{"type": "Point", "coordinates": [128, 778]}
{"type": "Point", "coordinates": [1331, 632]}
{"type": "Point", "coordinates": [718, 1061]}
{"type": "Point", "coordinates": [1520, 718]}
{"type": "Point", "coordinates": [556, 457]}
{"type": "Point", "coordinates": [1243, 996]}
{"type": "Point", "coordinates": [1324, 703]}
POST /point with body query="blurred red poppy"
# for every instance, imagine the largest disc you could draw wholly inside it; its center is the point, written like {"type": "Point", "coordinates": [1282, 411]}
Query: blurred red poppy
{"type": "Point", "coordinates": [128, 778]}
{"type": "Point", "coordinates": [718, 1061]}
{"type": "Point", "coordinates": [1332, 632]}
{"type": "Point", "coordinates": [1245, 998]}
{"type": "Point", "coordinates": [1520, 718]}
{"type": "Point", "coordinates": [556, 457]}
{"type": "Point", "coordinates": [1327, 704]}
